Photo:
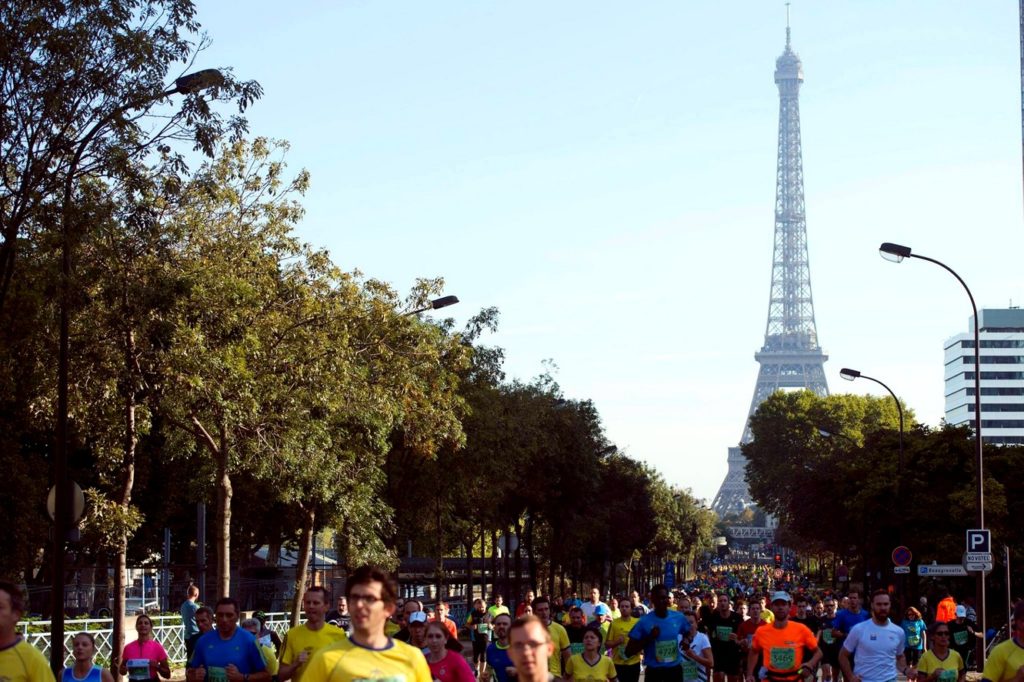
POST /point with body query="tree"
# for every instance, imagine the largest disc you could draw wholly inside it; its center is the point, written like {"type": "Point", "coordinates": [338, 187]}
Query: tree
{"type": "Point", "coordinates": [79, 82]}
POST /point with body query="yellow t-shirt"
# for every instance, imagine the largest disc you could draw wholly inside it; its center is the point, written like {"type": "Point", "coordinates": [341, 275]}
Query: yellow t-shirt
{"type": "Point", "coordinates": [22, 662]}
{"type": "Point", "coordinates": [621, 628]}
{"type": "Point", "coordinates": [300, 638]}
{"type": "Point", "coordinates": [269, 658]}
{"type": "Point", "coordinates": [391, 628]}
{"type": "Point", "coordinates": [561, 639]}
{"type": "Point", "coordinates": [1005, 661]}
{"type": "Point", "coordinates": [949, 669]}
{"type": "Point", "coordinates": [581, 671]}
{"type": "Point", "coordinates": [346, 661]}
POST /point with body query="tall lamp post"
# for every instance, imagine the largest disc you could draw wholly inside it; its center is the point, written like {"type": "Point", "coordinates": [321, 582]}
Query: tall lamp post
{"type": "Point", "coordinates": [896, 253]}
{"type": "Point", "coordinates": [853, 375]}
{"type": "Point", "coordinates": [193, 82]}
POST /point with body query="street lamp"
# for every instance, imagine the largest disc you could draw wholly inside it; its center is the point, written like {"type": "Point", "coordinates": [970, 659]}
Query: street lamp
{"type": "Point", "coordinates": [896, 253]}
{"type": "Point", "coordinates": [852, 375]}
{"type": "Point", "coordinates": [442, 302]}
{"type": "Point", "coordinates": [189, 83]}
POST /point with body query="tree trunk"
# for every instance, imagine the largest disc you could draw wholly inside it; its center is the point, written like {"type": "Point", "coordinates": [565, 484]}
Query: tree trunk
{"type": "Point", "coordinates": [494, 563]}
{"type": "Point", "coordinates": [302, 566]}
{"type": "Point", "coordinates": [439, 564]}
{"type": "Point", "coordinates": [531, 559]}
{"type": "Point", "coordinates": [117, 636]}
{"type": "Point", "coordinates": [518, 585]}
{"type": "Point", "coordinates": [124, 497]}
{"type": "Point", "coordinates": [224, 493]}
{"type": "Point", "coordinates": [469, 573]}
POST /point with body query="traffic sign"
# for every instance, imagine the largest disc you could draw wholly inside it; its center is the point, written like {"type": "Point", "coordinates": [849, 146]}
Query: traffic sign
{"type": "Point", "coordinates": [983, 566]}
{"type": "Point", "coordinates": [977, 557]}
{"type": "Point", "coordinates": [901, 570]}
{"type": "Point", "coordinates": [670, 574]}
{"type": "Point", "coordinates": [777, 573]}
{"type": "Point", "coordinates": [901, 556]}
{"type": "Point", "coordinates": [941, 570]}
{"type": "Point", "coordinates": [979, 540]}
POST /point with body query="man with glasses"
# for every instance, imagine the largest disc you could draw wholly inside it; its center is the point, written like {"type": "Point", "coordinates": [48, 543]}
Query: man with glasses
{"type": "Point", "coordinates": [1006, 663]}
{"type": "Point", "coordinates": [530, 647]}
{"type": "Point", "coordinates": [229, 653]}
{"type": "Point", "coordinates": [368, 653]}
{"type": "Point", "coordinates": [940, 663]}
{"type": "Point", "coordinates": [829, 643]}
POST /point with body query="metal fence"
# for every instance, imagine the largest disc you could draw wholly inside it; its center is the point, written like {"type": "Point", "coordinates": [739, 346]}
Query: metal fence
{"type": "Point", "coordinates": [166, 629]}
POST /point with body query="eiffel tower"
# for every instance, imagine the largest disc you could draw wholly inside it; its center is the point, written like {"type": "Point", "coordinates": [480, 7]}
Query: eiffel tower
{"type": "Point", "coordinates": [791, 357]}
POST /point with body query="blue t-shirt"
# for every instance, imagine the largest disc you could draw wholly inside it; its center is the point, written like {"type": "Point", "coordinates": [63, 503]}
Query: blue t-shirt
{"type": "Point", "coordinates": [499, 659]}
{"type": "Point", "coordinates": [914, 631]}
{"type": "Point", "coordinates": [188, 618]}
{"type": "Point", "coordinates": [215, 654]}
{"type": "Point", "coordinates": [846, 619]}
{"type": "Point", "coordinates": [664, 651]}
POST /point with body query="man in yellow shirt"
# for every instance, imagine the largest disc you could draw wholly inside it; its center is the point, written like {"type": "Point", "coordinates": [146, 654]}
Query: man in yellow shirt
{"type": "Point", "coordinates": [1006, 663]}
{"type": "Point", "coordinates": [628, 667]}
{"type": "Point", "coordinates": [302, 641]}
{"type": "Point", "coordinates": [368, 654]}
{"type": "Point", "coordinates": [557, 634]}
{"type": "Point", "coordinates": [19, 660]}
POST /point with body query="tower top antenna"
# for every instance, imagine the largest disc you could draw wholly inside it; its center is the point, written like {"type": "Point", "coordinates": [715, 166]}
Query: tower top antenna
{"type": "Point", "coordinates": [787, 25]}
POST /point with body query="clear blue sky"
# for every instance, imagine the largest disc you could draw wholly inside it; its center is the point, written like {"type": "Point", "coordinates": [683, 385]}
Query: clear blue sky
{"type": "Point", "coordinates": [604, 173]}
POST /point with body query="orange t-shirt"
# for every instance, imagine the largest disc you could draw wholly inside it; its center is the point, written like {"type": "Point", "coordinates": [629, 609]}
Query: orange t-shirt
{"type": "Point", "coordinates": [783, 647]}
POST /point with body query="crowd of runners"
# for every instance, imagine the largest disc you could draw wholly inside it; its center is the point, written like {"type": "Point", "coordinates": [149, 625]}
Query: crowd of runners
{"type": "Point", "coordinates": [726, 627]}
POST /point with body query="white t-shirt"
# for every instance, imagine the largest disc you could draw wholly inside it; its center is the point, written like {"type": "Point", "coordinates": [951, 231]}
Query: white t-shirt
{"type": "Point", "coordinates": [698, 646]}
{"type": "Point", "coordinates": [875, 648]}
{"type": "Point", "coordinates": [589, 608]}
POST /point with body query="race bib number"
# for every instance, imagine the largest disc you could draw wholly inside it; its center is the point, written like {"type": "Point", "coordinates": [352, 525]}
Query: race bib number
{"type": "Point", "coordinates": [138, 669]}
{"type": "Point", "coordinates": [575, 648]}
{"type": "Point", "coordinates": [782, 658]}
{"type": "Point", "coordinates": [216, 674]}
{"type": "Point", "coordinates": [827, 636]}
{"type": "Point", "coordinates": [960, 637]}
{"type": "Point", "coordinates": [666, 651]}
{"type": "Point", "coordinates": [722, 633]}
{"type": "Point", "coordinates": [690, 671]}
{"type": "Point", "coordinates": [482, 627]}
{"type": "Point", "coordinates": [620, 651]}
{"type": "Point", "coordinates": [947, 675]}
{"type": "Point", "coordinates": [914, 640]}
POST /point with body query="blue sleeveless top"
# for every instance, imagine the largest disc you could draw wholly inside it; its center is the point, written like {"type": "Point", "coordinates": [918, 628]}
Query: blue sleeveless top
{"type": "Point", "coordinates": [94, 675]}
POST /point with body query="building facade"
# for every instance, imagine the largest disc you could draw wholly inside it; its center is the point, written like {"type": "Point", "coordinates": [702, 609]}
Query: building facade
{"type": "Point", "coordinates": [1002, 376]}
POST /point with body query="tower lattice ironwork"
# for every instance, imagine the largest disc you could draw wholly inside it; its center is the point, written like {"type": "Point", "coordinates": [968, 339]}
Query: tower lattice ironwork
{"type": "Point", "coordinates": [791, 357]}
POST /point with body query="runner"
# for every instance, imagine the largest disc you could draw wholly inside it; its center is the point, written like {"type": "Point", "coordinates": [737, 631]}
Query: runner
{"type": "Point", "coordinates": [83, 649]}
{"type": "Point", "coordinates": [576, 628]}
{"type": "Point", "coordinates": [445, 665]}
{"type": "Point", "coordinates": [302, 641]}
{"type": "Point", "coordinates": [227, 653]}
{"type": "Point", "coordinates": [252, 626]}
{"type": "Point", "coordinates": [877, 646]}
{"type": "Point", "coordinates": [559, 637]}
{"type": "Point", "coordinates": [591, 665]}
{"type": "Point", "coordinates": [479, 628]}
{"type": "Point", "coordinates": [698, 656]}
{"type": "Point", "coordinates": [145, 657]}
{"type": "Point", "coordinates": [418, 631]}
{"type": "Point", "coordinates": [940, 663]}
{"type": "Point", "coordinates": [590, 608]}
{"type": "Point", "coordinates": [449, 624]}
{"type": "Point", "coordinates": [497, 607]}
{"type": "Point", "coordinates": [914, 630]}
{"type": "Point", "coordinates": [723, 627]}
{"type": "Point", "coordinates": [1007, 659]}
{"type": "Point", "coordinates": [963, 636]}
{"type": "Point", "coordinates": [830, 644]}
{"type": "Point", "coordinates": [339, 616]}
{"type": "Point", "coordinates": [368, 654]}
{"type": "Point", "coordinates": [628, 668]}
{"type": "Point", "coordinates": [204, 623]}
{"type": "Point", "coordinates": [779, 647]}
{"type": "Point", "coordinates": [499, 663]}
{"type": "Point", "coordinates": [748, 628]}
{"type": "Point", "coordinates": [530, 645]}
{"type": "Point", "coordinates": [847, 617]}
{"type": "Point", "coordinates": [657, 635]}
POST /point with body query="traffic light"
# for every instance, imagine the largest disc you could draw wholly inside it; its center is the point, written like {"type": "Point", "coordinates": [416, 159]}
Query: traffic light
{"type": "Point", "coordinates": [778, 561]}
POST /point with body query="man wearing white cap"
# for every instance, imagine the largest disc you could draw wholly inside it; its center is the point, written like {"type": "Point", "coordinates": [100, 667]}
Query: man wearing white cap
{"type": "Point", "coordinates": [962, 636]}
{"type": "Point", "coordinates": [780, 646]}
{"type": "Point", "coordinates": [877, 645]}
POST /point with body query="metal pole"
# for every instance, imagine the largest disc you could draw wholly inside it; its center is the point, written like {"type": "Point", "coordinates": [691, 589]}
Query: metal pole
{"type": "Point", "coordinates": [201, 549]}
{"type": "Point", "coordinates": [978, 448]}
{"type": "Point", "coordinates": [165, 575]}
{"type": "Point", "coordinates": [1009, 594]}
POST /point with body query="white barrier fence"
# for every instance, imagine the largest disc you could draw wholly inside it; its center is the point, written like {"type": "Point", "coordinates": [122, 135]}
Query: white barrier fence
{"type": "Point", "coordinates": [166, 629]}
